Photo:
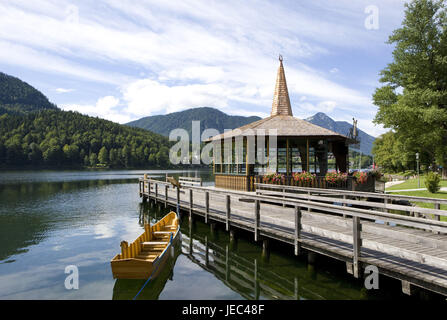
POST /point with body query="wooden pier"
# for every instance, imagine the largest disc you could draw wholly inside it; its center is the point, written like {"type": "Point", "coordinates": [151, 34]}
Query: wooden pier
{"type": "Point", "coordinates": [357, 228]}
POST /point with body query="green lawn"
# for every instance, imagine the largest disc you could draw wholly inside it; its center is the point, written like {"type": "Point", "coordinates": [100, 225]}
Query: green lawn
{"type": "Point", "coordinates": [413, 184]}
{"type": "Point", "coordinates": [425, 193]}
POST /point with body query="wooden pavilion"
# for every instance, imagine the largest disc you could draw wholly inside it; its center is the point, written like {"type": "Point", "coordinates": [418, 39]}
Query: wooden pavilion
{"type": "Point", "coordinates": [300, 146]}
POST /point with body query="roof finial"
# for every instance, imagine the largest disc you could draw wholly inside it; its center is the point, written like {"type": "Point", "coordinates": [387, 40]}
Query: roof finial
{"type": "Point", "coordinates": [280, 58]}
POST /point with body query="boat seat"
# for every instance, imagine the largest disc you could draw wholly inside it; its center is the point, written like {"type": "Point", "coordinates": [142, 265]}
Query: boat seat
{"type": "Point", "coordinates": [154, 243]}
{"type": "Point", "coordinates": [161, 232]}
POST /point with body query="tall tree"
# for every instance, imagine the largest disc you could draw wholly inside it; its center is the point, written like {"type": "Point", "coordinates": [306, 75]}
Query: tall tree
{"type": "Point", "coordinates": [103, 156]}
{"type": "Point", "coordinates": [413, 100]}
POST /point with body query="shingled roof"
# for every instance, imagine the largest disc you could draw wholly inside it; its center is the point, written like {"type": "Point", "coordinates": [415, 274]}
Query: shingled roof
{"type": "Point", "coordinates": [281, 118]}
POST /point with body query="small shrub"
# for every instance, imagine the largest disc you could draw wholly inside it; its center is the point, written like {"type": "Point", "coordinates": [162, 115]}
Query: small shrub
{"type": "Point", "coordinates": [335, 177]}
{"type": "Point", "coordinates": [274, 178]}
{"type": "Point", "coordinates": [376, 174]}
{"type": "Point", "coordinates": [432, 182]}
{"type": "Point", "coordinates": [360, 177]}
{"type": "Point", "coordinates": [304, 177]}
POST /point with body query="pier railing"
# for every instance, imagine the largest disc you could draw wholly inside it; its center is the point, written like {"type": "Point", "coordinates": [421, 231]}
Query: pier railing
{"type": "Point", "coordinates": [344, 217]}
{"type": "Point", "coordinates": [385, 202]}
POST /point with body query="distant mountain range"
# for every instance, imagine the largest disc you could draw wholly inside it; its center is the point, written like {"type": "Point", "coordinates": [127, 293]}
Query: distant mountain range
{"type": "Point", "coordinates": [210, 118]}
{"type": "Point", "coordinates": [213, 118]}
{"type": "Point", "coordinates": [343, 127]}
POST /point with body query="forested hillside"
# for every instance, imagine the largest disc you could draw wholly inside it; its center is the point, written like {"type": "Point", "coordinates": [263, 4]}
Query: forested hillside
{"type": "Point", "coordinates": [55, 138]}
{"type": "Point", "coordinates": [18, 97]}
{"type": "Point", "coordinates": [209, 118]}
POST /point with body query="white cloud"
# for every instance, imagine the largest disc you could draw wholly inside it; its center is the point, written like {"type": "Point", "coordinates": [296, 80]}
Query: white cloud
{"type": "Point", "coordinates": [63, 90]}
{"type": "Point", "coordinates": [324, 106]}
{"type": "Point", "coordinates": [147, 97]}
{"type": "Point", "coordinates": [105, 107]}
{"type": "Point", "coordinates": [334, 70]}
{"type": "Point", "coordinates": [193, 53]}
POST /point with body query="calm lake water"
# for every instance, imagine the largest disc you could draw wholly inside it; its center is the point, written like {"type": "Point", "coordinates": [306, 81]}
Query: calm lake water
{"type": "Point", "coordinates": [50, 220]}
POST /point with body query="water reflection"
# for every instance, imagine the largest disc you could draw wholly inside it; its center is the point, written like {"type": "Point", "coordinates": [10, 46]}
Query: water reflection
{"type": "Point", "coordinates": [51, 220]}
{"type": "Point", "coordinates": [242, 267]}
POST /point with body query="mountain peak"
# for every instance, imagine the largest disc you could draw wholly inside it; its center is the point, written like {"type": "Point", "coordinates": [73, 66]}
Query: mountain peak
{"type": "Point", "coordinates": [343, 127]}
{"type": "Point", "coordinates": [322, 120]}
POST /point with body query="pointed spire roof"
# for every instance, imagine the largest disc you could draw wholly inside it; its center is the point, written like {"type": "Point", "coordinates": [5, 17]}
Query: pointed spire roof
{"type": "Point", "coordinates": [281, 102]}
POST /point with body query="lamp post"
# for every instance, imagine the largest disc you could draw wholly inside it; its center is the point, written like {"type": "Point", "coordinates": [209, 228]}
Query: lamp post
{"type": "Point", "coordinates": [417, 165]}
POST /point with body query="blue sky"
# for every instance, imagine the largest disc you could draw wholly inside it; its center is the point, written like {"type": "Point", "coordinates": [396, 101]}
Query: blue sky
{"type": "Point", "coordinates": [123, 60]}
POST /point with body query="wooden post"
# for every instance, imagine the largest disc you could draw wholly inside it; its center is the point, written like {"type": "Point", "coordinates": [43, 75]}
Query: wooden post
{"type": "Point", "coordinates": [156, 191]}
{"type": "Point", "coordinates": [297, 230]}
{"type": "Point", "coordinates": [308, 199]}
{"type": "Point", "coordinates": [207, 205]}
{"type": "Point", "coordinates": [206, 251]}
{"type": "Point", "coordinates": [357, 243]}
{"type": "Point", "coordinates": [178, 197]}
{"type": "Point", "coordinates": [257, 292]}
{"type": "Point", "coordinates": [190, 203]}
{"type": "Point", "coordinates": [166, 194]}
{"type": "Point", "coordinates": [139, 187]}
{"type": "Point", "coordinates": [227, 263]}
{"type": "Point", "coordinates": [344, 204]}
{"type": "Point", "coordinates": [437, 216]}
{"type": "Point", "coordinates": [149, 188]}
{"type": "Point", "coordinates": [124, 250]}
{"type": "Point", "coordinates": [284, 196]}
{"type": "Point", "coordinates": [257, 218]}
{"type": "Point", "coordinates": [228, 212]}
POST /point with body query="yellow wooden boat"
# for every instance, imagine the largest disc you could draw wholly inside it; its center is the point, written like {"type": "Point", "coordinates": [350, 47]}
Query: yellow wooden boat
{"type": "Point", "coordinates": [146, 256]}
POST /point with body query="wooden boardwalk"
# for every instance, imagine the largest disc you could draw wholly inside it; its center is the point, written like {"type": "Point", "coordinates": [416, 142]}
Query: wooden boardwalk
{"type": "Point", "coordinates": [411, 249]}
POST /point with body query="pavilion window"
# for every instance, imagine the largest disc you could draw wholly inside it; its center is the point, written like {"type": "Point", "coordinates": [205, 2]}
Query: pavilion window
{"type": "Point", "coordinates": [261, 166]}
{"type": "Point", "coordinates": [282, 156]}
{"type": "Point", "coordinates": [217, 157]}
{"type": "Point", "coordinates": [296, 159]}
{"type": "Point", "coordinates": [239, 155]}
{"type": "Point", "coordinates": [331, 164]}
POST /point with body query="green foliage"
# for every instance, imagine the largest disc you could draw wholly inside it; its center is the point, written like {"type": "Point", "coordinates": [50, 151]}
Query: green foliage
{"type": "Point", "coordinates": [60, 138]}
{"type": "Point", "coordinates": [356, 158]}
{"type": "Point", "coordinates": [18, 97]}
{"type": "Point", "coordinates": [391, 155]}
{"type": "Point", "coordinates": [413, 100]}
{"type": "Point", "coordinates": [432, 182]}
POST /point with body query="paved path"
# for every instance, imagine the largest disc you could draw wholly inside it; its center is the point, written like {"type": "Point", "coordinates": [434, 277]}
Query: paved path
{"type": "Point", "coordinates": [392, 183]}
{"type": "Point", "coordinates": [409, 190]}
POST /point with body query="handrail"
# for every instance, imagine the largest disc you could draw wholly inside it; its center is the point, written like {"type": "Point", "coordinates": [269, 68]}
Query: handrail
{"type": "Point", "coordinates": [388, 206]}
{"type": "Point", "coordinates": [354, 193]}
{"type": "Point", "coordinates": [420, 223]}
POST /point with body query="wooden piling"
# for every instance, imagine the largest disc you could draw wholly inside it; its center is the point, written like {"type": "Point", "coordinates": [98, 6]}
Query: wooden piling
{"type": "Point", "coordinates": [228, 205]}
{"type": "Point", "coordinates": [297, 230]}
{"type": "Point", "coordinates": [257, 218]}
{"type": "Point", "coordinates": [357, 243]}
{"type": "Point", "coordinates": [190, 204]}
{"type": "Point", "coordinates": [207, 206]}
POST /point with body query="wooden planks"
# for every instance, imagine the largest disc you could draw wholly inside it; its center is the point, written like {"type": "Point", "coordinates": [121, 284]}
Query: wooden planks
{"type": "Point", "coordinates": [340, 232]}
